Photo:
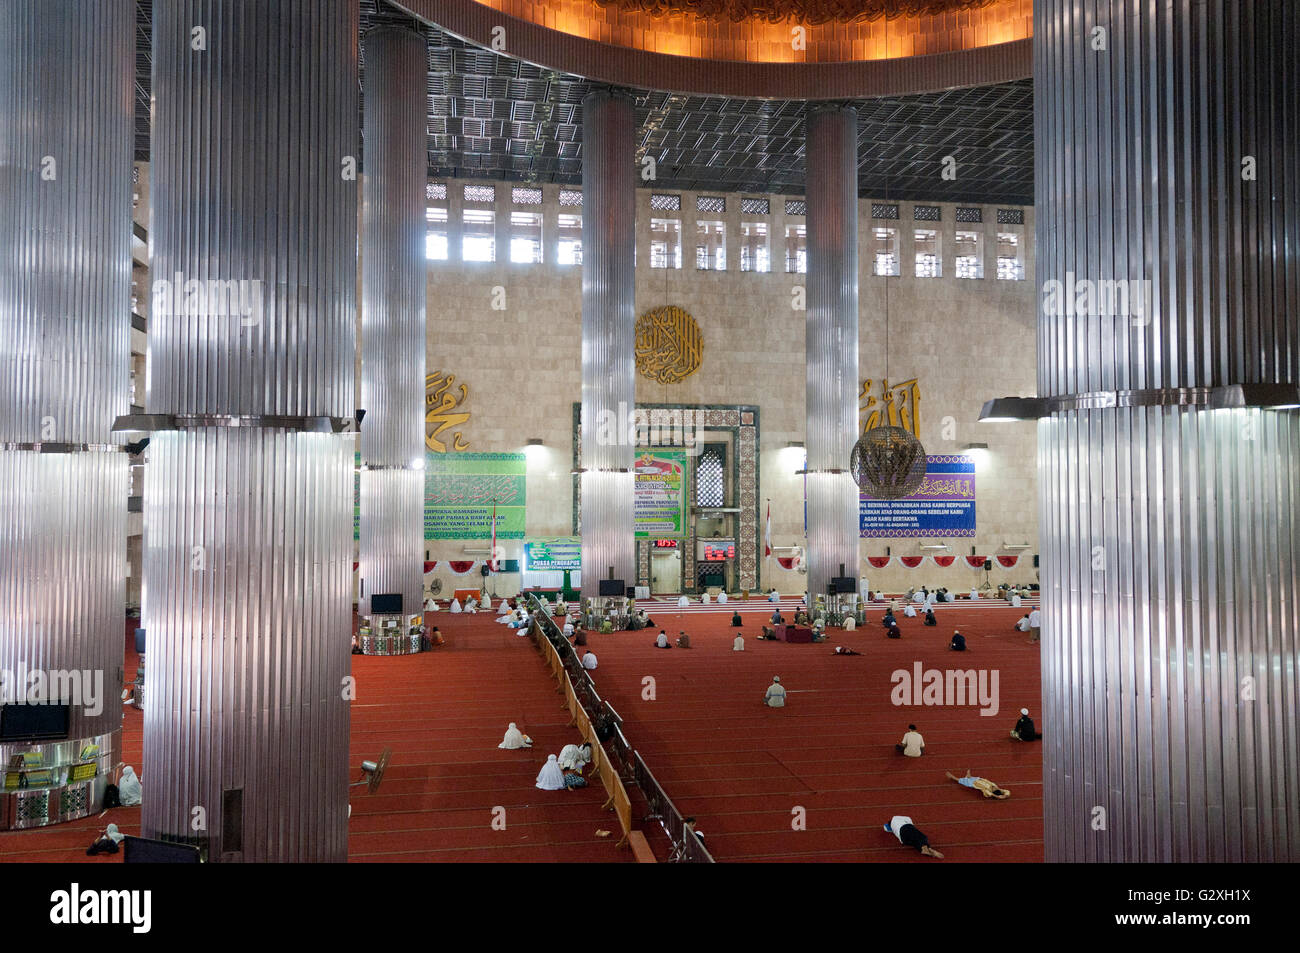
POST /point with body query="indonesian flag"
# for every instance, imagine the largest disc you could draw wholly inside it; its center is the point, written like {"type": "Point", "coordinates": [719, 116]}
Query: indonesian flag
{"type": "Point", "coordinates": [767, 539]}
{"type": "Point", "coordinates": [493, 562]}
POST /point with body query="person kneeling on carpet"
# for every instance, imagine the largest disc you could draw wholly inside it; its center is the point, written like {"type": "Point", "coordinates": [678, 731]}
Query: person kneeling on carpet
{"type": "Point", "coordinates": [662, 641]}
{"type": "Point", "coordinates": [901, 826]}
{"type": "Point", "coordinates": [551, 778]}
{"type": "Point", "coordinates": [683, 640]}
{"type": "Point", "coordinates": [775, 697]}
{"type": "Point", "coordinates": [912, 745]}
{"type": "Point", "coordinates": [735, 619]}
{"type": "Point", "coordinates": [1024, 730]}
{"type": "Point", "coordinates": [893, 631]}
{"type": "Point", "coordinates": [983, 785]}
{"type": "Point", "coordinates": [958, 643]}
{"type": "Point", "coordinates": [515, 739]}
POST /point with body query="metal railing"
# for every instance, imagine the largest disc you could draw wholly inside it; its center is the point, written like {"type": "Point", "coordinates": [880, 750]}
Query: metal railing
{"type": "Point", "coordinates": [608, 725]}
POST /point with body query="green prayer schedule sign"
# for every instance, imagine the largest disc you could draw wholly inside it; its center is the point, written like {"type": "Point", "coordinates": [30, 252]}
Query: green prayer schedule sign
{"type": "Point", "coordinates": [459, 490]}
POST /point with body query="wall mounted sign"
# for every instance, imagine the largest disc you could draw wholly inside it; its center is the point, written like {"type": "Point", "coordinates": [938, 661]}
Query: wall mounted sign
{"type": "Point", "coordinates": [943, 505]}
{"type": "Point", "coordinates": [669, 345]}
{"type": "Point", "coordinates": [659, 503]}
{"type": "Point", "coordinates": [552, 554]}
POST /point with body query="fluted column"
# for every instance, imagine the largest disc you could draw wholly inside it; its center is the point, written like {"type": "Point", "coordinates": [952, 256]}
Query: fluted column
{"type": "Point", "coordinates": [66, 112]}
{"type": "Point", "coordinates": [608, 338]}
{"type": "Point", "coordinates": [1166, 159]}
{"type": "Point", "coordinates": [832, 343]}
{"type": "Point", "coordinates": [247, 511]}
{"type": "Point", "coordinates": [393, 278]}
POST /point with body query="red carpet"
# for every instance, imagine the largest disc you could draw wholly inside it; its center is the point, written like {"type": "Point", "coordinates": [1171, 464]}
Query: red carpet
{"type": "Point", "coordinates": [443, 714]}
{"type": "Point", "coordinates": [741, 768]}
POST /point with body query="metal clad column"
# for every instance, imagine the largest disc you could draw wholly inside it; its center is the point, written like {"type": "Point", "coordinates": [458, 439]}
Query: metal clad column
{"type": "Point", "coordinates": [1166, 156]}
{"type": "Point", "coordinates": [608, 337]}
{"type": "Point", "coordinates": [66, 113]}
{"type": "Point", "coordinates": [831, 153]}
{"type": "Point", "coordinates": [393, 281]}
{"type": "Point", "coordinates": [248, 507]}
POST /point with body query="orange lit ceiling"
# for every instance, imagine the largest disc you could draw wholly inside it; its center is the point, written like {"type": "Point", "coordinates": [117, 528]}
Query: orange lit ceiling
{"type": "Point", "coordinates": [807, 49]}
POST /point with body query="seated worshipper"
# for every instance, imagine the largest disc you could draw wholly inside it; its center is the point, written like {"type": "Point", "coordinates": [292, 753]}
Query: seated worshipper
{"type": "Point", "coordinates": [606, 627]}
{"type": "Point", "coordinates": [929, 617]}
{"type": "Point", "coordinates": [589, 661]}
{"type": "Point", "coordinates": [974, 594]}
{"type": "Point", "coordinates": [1015, 599]}
{"type": "Point", "coordinates": [455, 605]}
{"type": "Point", "coordinates": [635, 622]}
{"type": "Point", "coordinates": [486, 604]}
{"type": "Point", "coordinates": [880, 595]}
{"type": "Point", "coordinates": [775, 697]}
{"type": "Point", "coordinates": [574, 779]}
{"type": "Point", "coordinates": [568, 628]}
{"type": "Point", "coordinates": [772, 596]}
{"type": "Point", "coordinates": [1022, 624]}
{"type": "Point", "coordinates": [356, 648]}
{"type": "Point", "coordinates": [735, 619]}
{"type": "Point", "coordinates": [800, 617]}
{"type": "Point", "coordinates": [575, 757]}
{"type": "Point", "coordinates": [819, 629]}
{"type": "Point", "coordinates": [129, 790]}
{"type": "Point", "coordinates": [722, 597]}
{"type": "Point", "coordinates": [683, 602]}
{"type": "Point", "coordinates": [704, 599]}
{"type": "Point", "coordinates": [1024, 730]}
{"type": "Point", "coordinates": [983, 785]}
{"type": "Point", "coordinates": [515, 739]}
{"type": "Point", "coordinates": [776, 618]}
{"type": "Point", "coordinates": [435, 637]}
{"type": "Point", "coordinates": [850, 623]}
{"type": "Point", "coordinates": [471, 604]}
{"type": "Point", "coordinates": [894, 632]}
{"type": "Point", "coordinates": [907, 596]}
{"type": "Point", "coordinates": [738, 644]}
{"type": "Point", "coordinates": [888, 619]}
{"type": "Point", "coordinates": [431, 604]}
{"type": "Point", "coordinates": [579, 637]}
{"type": "Point", "coordinates": [683, 640]}
{"type": "Point", "coordinates": [907, 833]}
{"type": "Point", "coordinates": [909, 611]}
{"type": "Point", "coordinates": [841, 650]}
{"type": "Point", "coordinates": [551, 778]}
{"type": "Point", "coordinates": [912, 745]}
{"type": "Point", "coordinates": [107, 841]}
{"type": "Point", "coordinates": [645, 617]}
{"type": "Point", "coordinates": [769, 635]}
{"type": "Point", "coordinates": [561, 607]}
{"type": "Point", "coordinates": [958, 643]}
{"type": "Point", "coordinates": [662, 641]}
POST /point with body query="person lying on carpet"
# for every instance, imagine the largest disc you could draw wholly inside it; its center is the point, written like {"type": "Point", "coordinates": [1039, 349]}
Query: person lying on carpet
{"type": "Point", "coordinates": [515, 739]}
{"type": "Point", "coordinates": [551, 778]}
{"type": "Point", "coordinates": [958, 643]}
{"type": "Point", "coordinates": [662, 641]}
{"type": "Point", "coordinates": [735, 619]}
{"type": "Point", "coordinates": [908, 834]}
{"type": "Point", "coordinates": [683, 640]}
{"type": "Point", "coordinates": [929, 617]}
{"type": "Point", "coordinates": [983, 785]}
{"type": "Point", "coordinates": [589, 661]}
{"type": "Point", "coordinates": [1024, 730]}
{"type": "Point", "coordinates": [912, 745]}
{"type": "Point", "coordinates": [107, 842]}
{"type": "Point", "coordinates": [841, 650]}
{"type": "Point", "coordinates": [768, 635]}
{"type": "Point", "coordinates": [738, 644]}
{"type": "Point", "coordinates": [775, 697]}
{"type": "Point", "coordinates": [893, 631]}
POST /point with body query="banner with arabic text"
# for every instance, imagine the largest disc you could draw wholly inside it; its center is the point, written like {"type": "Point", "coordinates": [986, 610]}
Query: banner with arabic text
{"type": "Point", "coordinates": [944, 505]}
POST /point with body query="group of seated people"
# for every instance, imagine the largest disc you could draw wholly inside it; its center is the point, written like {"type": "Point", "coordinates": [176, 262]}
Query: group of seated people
{"type": "Point", "coordinates": [565, 770]}
{"type": "Point", "coordinates": [640, 619]}
{"type": "Point", "coordinates": [683, 640]}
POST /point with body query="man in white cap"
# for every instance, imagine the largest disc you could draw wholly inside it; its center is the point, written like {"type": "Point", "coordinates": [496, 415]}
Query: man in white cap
{"type": "Point", "coordinates": [775, 697]}
{"type": "Point", "coordinates": [1024, 730]}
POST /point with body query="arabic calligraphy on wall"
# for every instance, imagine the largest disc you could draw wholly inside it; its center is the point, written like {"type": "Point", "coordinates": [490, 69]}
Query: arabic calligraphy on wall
{"type": "Point", "coordinates": [443, 400]}
{"type": "Point", "coordinates": [897, 406]}
{"type": "Point", "coordinates": [669, 345]}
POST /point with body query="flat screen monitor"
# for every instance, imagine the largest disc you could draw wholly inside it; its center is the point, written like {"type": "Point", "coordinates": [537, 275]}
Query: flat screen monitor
{"type": "Point", "coordinates": [33, 722]}
{"type": "Point", "coordinates": [612, 587]}
{"type": "Point", "coordinates": [144, 850]}
{"type": "Point", "coordinates": [844, 584]}
{"type": "Point", "coordinates": [386, 603]}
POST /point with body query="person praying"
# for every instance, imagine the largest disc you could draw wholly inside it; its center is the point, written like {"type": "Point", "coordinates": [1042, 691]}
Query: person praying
{"type": "Point", "coordinates": [909, 835]}
{"type": "Point", "coordinates": [515, 739]}
{"type": "Point", "coordinates": [775, 697]}
{"type": "Point", "coordinates": [455, 605]}
{"type": "Point", "coordinates": [735, 619]}
{"type": "Point", "coordinates": [983, 785]}
{"type": "Point", "coordinates": [958, 643]}
{"type": "Point", "coordinates": [738, 644]}
{"type": "Point", "coordinates": [551, 777]}
{"type": "Point", "coordinates": [1024, 729]}
{"type": "Point", "coordinates": [589, 661]}
{"type": "Point", "coordinates": [683, 640]}
{"type": "Point", "coordinates": [662, 641]}
{"type": "Point", "coordinates": [912, 745]}
{"type": "Point", "coordinates": [929, 617]}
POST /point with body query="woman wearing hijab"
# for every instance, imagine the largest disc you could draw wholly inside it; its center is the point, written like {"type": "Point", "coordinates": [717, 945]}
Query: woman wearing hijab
{"type": "Point", "coordinates": [515, 739]}
{"type": "Point", "coordinates": [107, 842]}
{"type": "Point", "coordinates": [551, 778]}
{"type": "Point", "coordinates": [129, 789]}
{"type": "Point", "coordinates": [575, 757]}
{"type": "Point", "coordinates": [455, 605]}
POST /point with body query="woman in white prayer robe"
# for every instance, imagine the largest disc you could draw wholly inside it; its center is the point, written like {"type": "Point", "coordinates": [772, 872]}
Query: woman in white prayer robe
{"type": "Point", "coordinates": [551, 778]}
{"type": "Point", "coordinates": [129, 790]}
{"type": "Point", "coordinates": [575, 757]}
{"type": "Point", "coordinates": [909, 610]}
{"type": "Point", "coordinates": [486, 605]}
{"type": "Point", "coordinates": [471, 604]}
{"type": "Point", "coordinates": [683, 602]}
{"type": "Point", "coordinates": [515, 739]}
{"type": "Point", "coordinates": [722, 598]}
{"type": "Point", "coordinates": [455, 605]}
